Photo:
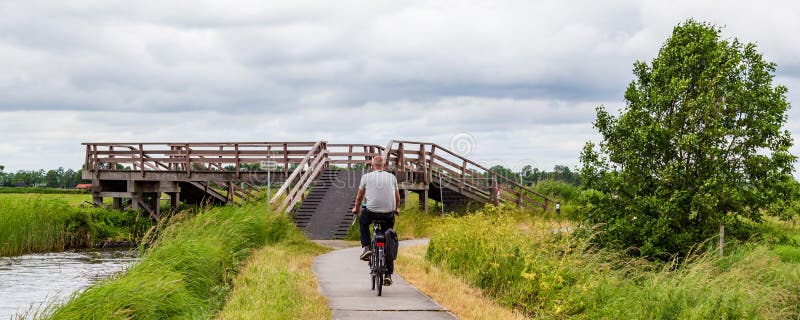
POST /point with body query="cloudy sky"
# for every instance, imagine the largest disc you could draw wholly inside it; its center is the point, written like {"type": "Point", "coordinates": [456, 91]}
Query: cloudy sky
{"type": "Point", "coordinates": [519, 79]}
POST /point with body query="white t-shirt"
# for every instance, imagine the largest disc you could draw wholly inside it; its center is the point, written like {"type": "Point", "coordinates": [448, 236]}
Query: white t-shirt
{"type": "Point", "coordinates": [381, 188]}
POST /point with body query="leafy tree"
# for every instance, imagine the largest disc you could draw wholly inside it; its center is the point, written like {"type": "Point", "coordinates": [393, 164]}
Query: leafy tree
{"type": "Point", "coordinates": [699, 144]}
{"type": "Point", "coordinates": [52, 179]}
{"type": "Point", "coordinates": [505, 172]}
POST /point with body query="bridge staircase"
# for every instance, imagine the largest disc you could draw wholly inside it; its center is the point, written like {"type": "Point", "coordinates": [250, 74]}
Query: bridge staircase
{"type": "Point", "coordinates": [325, 211]}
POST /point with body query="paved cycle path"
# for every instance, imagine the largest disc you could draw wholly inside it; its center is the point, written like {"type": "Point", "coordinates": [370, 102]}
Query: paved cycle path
{"type": "Point", "coordinates": [344, 280]}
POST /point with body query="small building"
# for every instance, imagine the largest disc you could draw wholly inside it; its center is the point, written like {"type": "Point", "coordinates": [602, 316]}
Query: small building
{"type": "Point", "coordinates": [84, 186]}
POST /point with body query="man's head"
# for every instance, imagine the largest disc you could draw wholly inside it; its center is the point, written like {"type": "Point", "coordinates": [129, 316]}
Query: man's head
{"type": "Point", "coordinates": [377, 163]}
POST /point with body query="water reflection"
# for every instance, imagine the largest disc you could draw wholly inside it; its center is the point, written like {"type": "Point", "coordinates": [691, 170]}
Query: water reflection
{"type": "Point", "coordinates": [31, 280]}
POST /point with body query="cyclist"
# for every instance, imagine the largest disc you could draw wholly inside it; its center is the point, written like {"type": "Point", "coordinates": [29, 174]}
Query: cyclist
{"type": "Point", "coordinates": [383, 198]}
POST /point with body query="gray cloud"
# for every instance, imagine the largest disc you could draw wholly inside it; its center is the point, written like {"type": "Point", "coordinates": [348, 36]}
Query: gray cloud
{"type": "Point", "coordinates": [522, 77]}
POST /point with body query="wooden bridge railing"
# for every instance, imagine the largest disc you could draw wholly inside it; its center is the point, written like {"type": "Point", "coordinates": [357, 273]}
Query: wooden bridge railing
{"type": "Point", "coordinates": [305, 172]}
{"type": "Point", "coordinates": [426, 162]}
{"type": "Point", "coordinates": [353, 155]}
{"type": "Point", "coordinates": [193, 157]}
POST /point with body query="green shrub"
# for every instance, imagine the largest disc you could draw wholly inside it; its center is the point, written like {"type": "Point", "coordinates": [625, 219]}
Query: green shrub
{"type": "Point", "coordinates": [557, 189]}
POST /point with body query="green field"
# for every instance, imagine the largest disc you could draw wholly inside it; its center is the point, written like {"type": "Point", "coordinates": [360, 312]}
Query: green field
{"type": "Point", "coordinates": [42, 190]}
{"type": "Point", "coordinates": [71, 199]}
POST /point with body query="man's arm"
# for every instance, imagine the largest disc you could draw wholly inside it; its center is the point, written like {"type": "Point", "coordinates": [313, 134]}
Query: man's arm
{"type": "Point", "coordinates": [396, 197]}
{"type": "Point", "coordinates": [359, 199]}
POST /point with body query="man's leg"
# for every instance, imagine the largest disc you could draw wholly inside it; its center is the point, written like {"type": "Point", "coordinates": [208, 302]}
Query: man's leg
{"type": "Point", "coordinates": [363, 227]}
{"type": "Point", "coordinates": [390, 262]}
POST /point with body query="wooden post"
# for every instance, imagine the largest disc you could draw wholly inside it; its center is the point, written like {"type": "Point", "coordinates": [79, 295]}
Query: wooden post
{"type": "Point", "coordinates": [97, 199]}
{"type": "Point", "coordinates": [285, 160]}
{"type": "Point", "coordinates": [423, 200]}
{"type": "Point", "coordinates": [236, 151]}
{"type": "Point", "coordinates": [174, 200]}
{"type": "Point", "coordinates": [141, 158]}
{"type": "Point", "coordinates": [219, 165]}
{"type": "Point", "coordinates": [155, 203]}
{"type": "Point", "coordinates": [421, 162]}
{"type": "Point", "coordinates": [111, 156]}
{"type": "Point", "coordinates": [400, 157]}
{"type": "Point", "coordinates": [463, 175]}
{"type": "Point", "coordinates": [368, 159]}
{"type": "Point", "coordinates": [116, 203]}
{"type": "Point", "coordinates": [495, 191]}
{"type": "Point", "coordinates": [96, 159]}
{"type": "Point", "coordinates": [188, 161]}
{"type": "Point", "coordinates": [87, 164]}
{"type": "Point", "coordinates": [349, 156]}
{"type": "Point", "coordinates": [136, 198]}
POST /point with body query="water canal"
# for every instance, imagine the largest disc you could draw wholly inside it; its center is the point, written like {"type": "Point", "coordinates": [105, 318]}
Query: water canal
{"type": "Point", "coordinates": [29, 281]}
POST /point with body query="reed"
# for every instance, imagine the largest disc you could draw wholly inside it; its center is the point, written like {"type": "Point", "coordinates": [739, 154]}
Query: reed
{"type": "Point", "coordinates": [41, 223]}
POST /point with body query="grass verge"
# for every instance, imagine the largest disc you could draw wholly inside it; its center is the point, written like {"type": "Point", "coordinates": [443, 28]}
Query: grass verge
{"type": "Point", "coordinates": [277, 283]}
{"type": "Point", "coordinates": [463, 300]}
{"type": "Point", "coordinates": [188, 272]}
{"type": "Point", "coordinates": [42, 223]}
{"type": "Point", "coordinates": [537, 267]}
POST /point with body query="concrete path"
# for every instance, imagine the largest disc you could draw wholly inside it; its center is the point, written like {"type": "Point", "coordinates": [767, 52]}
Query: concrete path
{"type": "Point", "coordinates": [344, 280]}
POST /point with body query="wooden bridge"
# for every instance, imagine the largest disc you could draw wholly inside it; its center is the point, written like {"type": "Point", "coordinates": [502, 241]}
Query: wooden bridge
{"type": "Point", "coordinates": [318, 180]}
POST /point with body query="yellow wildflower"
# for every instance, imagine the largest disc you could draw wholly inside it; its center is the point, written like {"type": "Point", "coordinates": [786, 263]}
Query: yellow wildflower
{"type": "Point", "coordinates": [530, 276]}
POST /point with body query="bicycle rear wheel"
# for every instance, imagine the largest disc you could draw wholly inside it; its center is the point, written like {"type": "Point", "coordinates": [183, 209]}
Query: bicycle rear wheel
{"type": "Point", "coordinates": [381, 271]}
{"type": "Point", "coordinates": [373, 267]}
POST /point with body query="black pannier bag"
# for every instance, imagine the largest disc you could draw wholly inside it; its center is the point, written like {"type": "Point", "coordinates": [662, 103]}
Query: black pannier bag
{"type": "Point", "coordinates": [380, 237]}
{"type": "Point", "coordinates": [392, 245]}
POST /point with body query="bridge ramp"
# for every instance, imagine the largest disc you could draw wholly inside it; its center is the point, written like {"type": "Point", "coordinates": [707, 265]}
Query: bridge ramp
{"type": "Point", "coordinates": [325, 211]}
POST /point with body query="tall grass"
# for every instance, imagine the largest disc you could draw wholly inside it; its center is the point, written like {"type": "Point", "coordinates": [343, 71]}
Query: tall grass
{"type": "Point", "coordinates": [537, 267]}
{"type": "Point", "coordinates": [41, 223]}
{"type": "Point", "coordinates": [186, 273]}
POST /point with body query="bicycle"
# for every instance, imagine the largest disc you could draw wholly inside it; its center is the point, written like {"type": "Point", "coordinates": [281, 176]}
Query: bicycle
{"type": "Point", "coordinates": [377, 260]}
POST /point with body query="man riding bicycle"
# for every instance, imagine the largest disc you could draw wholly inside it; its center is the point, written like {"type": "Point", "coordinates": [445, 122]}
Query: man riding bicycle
{"type": "Point", "coordinates": [383, 199]}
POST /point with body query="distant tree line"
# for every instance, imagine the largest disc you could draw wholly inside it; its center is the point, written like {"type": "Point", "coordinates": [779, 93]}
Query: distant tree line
{"type": "Point", "coordinates": [56, 178]}
{"type": "Point", "coordinates": [531, 176]}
